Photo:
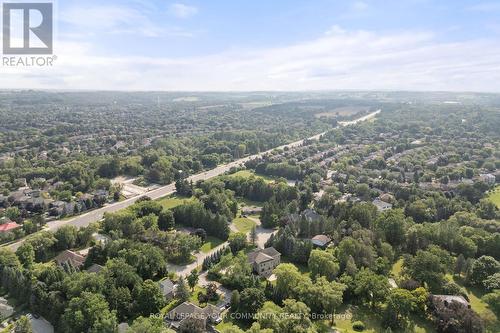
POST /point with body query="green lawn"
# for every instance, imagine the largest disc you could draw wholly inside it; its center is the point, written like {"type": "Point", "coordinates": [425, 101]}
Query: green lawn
{"type": "Point", "coordinates": [210, 244]}
{"type": "Point", "coordinates": [250, 173]}
{"type": "Point", "coordinates": [170, 202]}
{"type": "Point", "coordinates": [194, 297]}
{"type": "Point", "coordinates": [243, 224]}
{"type": "Point", "coordinates": [494, 196]}
{"type": "Point", "coordinates": [397, 268]}
{"type": "Point", "coordinates": [249, 203]}
{"type": "Point", "coordinates": [349, 314]}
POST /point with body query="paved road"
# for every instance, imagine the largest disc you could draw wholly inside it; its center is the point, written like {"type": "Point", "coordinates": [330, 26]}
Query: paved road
{"type": "Point", "coordinates": [97, 214]}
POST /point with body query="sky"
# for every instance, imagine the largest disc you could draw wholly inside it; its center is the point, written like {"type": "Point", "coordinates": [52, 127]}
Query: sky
{"type": "Point", "coordinates": [270, 45]}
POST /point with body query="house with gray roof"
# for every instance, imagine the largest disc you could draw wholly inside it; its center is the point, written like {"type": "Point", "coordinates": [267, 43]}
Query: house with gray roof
{"type": "Point", "coordinates": [167, 289]}
{"type": "Point", "coordinates": [189, 311]}
{"type": "Point", "coordinates": [263, 261]}
{"type": "Point", "coordinates": [321, 241]}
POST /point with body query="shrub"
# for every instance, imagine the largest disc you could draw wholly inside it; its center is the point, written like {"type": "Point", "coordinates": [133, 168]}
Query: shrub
{"type": "Point", "coordinates": [358, 326]}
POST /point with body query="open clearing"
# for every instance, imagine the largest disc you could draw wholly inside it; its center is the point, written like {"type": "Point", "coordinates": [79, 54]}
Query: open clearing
{"type": "Point", "coordinates": [173, 201]}
{"type": "Point", "coordinates": [494, 196]}
{"type": "Point", "coordinates": [243, 224]}
{"type": "Point", "coordinates": [342, 111]}
{"type": "Point", "coordinates": [210, 244]}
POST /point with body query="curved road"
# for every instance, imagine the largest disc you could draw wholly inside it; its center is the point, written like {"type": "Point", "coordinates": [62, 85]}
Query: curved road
{"type": "Point", "coordinates": [97, 214]}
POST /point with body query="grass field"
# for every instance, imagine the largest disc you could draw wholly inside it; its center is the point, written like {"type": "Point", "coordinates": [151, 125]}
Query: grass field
{"type": "Point", "coordinates": [210, 244]}
{"type": "Point", "coordinates": [194, 297]}
{"type": "Point", "coordinates": [397, 268]}
{"type": "Point", "coordinates": [243, 224]}
{"type": "Point", "coordinates": [249, 173]}
{"type": "Point", "coordinates": [173, 201]}
{"type": "Point", "coordinates": [494, 196]}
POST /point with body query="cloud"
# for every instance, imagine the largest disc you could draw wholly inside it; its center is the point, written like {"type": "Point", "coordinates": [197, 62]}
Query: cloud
{"type": "Point", "coordinates": [111, 19]}
{"type": "Point", "coordinates": [341, 59]}
{"type": "Point", "coordinates": [182, 11]}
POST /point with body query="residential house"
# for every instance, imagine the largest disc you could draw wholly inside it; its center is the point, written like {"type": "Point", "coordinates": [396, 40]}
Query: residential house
{"type": "Point", "coordinates": [167, 289]}
{"type": "Point", "coordinates": [40, 325]}
{"type": "Point", "coordinates": [446, 300]}
{"type": "Point", "coordinates": [263, 261]}
{"type": "Point", "coordinates": [381, 205]}
{"type": "Point", "coordinates": [189, 311]}
{"type": "Point", "coordinates": [488, 178]}
{"type": "Point", "coordinates": [6, 310]}
{"type": "Point", "coordinates": [57, 208]}
{"type": "Point", "coordinates": [70, 258]}
{"type": "Point", "coordinates": [321, 241]}
{"type": "Point", "coordinates": [95, 268]}
{"type": "Point", "coordinates": [387, 197]}
{"type": "Point", "coordinates": [9, 227]}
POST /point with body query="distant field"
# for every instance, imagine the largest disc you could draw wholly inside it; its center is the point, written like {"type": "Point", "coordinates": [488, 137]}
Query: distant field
{"type": "Point", "coordinates": [173, 201]}
{"type": "Point", "coordinates": [343, 111]}
{"type": "Point", "coordinates": [494, 196]}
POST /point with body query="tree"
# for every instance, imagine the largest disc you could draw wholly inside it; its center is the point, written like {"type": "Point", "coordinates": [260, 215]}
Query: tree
{"type": "Point", "coordinates": [251, 300]}
{"type": "Point", "coordinates": [23, 325]}
{"type": "Point", "coordinates": [322, 263]}
{"type": "Point", "coordinates": [166, 220]}
{"type": "Point", "coordinates": [460, 264]}
{"type": "Point", "coordinates": [482, 268]}
{"type": "Point", "coordinates": [294, 317]}
{"type": "Point", "coordinates": [149, 298]}
{"type": "Point", "coordinates": [287, 278]}
{"type": "Point", "coordinates": [253, 235]}
{"type": "Point", "coordinates": [332, 295]}
{"type": "Point", "coordinates": [88, 313]}
{"type": "Point", "coordinates": [182, 292]}
{"type": "Point", "coordinates": [211, 290]}
{"type": "Point", "coordinates": [400, 303]}
{"type": "Point", "coordinates": [66, 237]}
{"type": "Point", "coordinates": [192, 279]}
{"type": "Point", "coordinates": [237, 241]}
{"type": "Point", "coordinates": [493, 300]}
{"type": "Point", "coordinates": [235, 300]}
{"type": "Point", "coordinates": [392, 225]}
{"type": "Point", "coordinates": [487, 209]}
{"type": "Point", "coordinates": [425, 267]}
{"type": "Point", "coordinates": [370, 287]}
{"type": "Point", "coordinates": [8, 259]}
{"type": "Point", "coordinates": [492, 282]}
{"type": "Point", "coordinates": [26, 254]}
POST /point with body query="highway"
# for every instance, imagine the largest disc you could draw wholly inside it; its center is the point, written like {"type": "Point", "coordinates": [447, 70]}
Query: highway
{"type": "Point", "coordinates": [85, 219]}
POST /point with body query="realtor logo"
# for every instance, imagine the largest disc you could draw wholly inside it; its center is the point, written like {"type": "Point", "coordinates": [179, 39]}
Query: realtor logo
{"type": "Point", "coordinates": [27, 28]}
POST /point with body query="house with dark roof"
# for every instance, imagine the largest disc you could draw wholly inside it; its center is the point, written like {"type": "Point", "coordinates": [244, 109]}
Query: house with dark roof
{"type": "Point", "coordinates": [70, 258]}
{"type": "Point", "coordinates": [447, 300]}
{"type": "Point", "coordinates": [189, 311]}
{"type": "Point", "coordinates": [321, 241]}
{"type": "Point", "coordinates": [95, 268]}
{"type": "Point", "coordinates": [381, 205]}
{"type": "Point", "coordinates": [263, 261]}
{"type": "Point", "coordinates": [167, 289]}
